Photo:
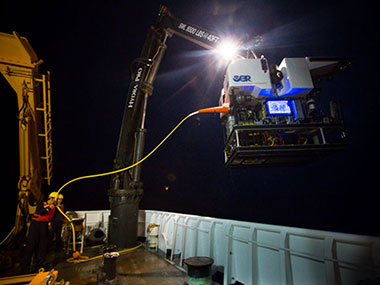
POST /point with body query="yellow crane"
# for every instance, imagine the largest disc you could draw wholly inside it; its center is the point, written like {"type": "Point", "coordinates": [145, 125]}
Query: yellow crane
{"type": "Point", "coordinates": [19, 65]}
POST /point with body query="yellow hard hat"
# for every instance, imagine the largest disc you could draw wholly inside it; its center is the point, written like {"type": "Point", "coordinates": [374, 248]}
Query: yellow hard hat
{"type": "Point", "coordinates": [60, 196]}
{"type": "Point", "coordinates": [53, 195]}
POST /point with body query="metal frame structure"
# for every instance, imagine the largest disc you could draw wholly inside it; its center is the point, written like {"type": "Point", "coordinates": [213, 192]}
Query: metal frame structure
{"type": "Point", "coordinates": [19, 65]}
{"type": "Point", "coordinates": [242, 150]}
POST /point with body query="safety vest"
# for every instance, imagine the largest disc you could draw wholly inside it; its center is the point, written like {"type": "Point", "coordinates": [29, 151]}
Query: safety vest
{"type": "Point", "coordinates": [44, 218]}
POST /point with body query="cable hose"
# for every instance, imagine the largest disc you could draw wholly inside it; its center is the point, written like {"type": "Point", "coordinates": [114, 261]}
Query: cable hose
{"type": "Point", "coordinates": [9, 234]}
{"type": "Point", "coordinates": [86, 258]}
{"type": "Point", "coordinates": [117, 171]}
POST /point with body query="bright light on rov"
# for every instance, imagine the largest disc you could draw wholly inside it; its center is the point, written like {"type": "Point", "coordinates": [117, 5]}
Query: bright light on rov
{"type": "Point", "coordinates": [228, 50]}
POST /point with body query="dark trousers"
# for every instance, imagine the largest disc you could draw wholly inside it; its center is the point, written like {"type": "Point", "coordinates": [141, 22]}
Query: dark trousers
{"type": "Point", "coordinates": [36, 244]}
{"type": "Point", "coordinates": [56, 234]}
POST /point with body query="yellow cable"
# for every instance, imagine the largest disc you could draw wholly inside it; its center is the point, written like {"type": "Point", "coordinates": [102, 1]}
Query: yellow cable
{"type": "Point", "coordinates": [7, 236]}
{"type": "Point", "coordinates": [71, 224]}
{"type": "Point", "coordinates": [131, 166]}
{"type": "Point", "coordinates": [117, 171]}
{"type": "Point", "coordinates": [86, 258]}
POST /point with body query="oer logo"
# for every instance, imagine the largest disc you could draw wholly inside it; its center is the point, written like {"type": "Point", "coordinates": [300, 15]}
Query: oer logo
{"type": "Point", "coordinates": [242, 78]}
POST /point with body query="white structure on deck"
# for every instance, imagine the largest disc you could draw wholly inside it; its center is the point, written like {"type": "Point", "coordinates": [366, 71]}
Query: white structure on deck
{"type": "Point", "coordinates": [253, 253]}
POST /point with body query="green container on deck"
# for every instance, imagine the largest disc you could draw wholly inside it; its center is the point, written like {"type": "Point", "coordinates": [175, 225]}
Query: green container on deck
{"type": "Point", "coordinates": [198, 270]}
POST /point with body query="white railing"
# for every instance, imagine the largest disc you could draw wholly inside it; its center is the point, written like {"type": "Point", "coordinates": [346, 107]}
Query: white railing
{"type": "Point", "coordinates": [254, 253]}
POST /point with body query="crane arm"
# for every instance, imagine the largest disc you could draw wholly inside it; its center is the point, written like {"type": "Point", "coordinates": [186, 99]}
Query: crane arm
{"type": "Point", "coordinates": [146, 66]}
{"type": "Point", "coordinates": [200, 36]}
{"type": "Point", "coordinates": [126, 188]}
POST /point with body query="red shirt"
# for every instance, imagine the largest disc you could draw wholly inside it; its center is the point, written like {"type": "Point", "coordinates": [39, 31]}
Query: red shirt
{"type": "Point", "coordinates": [43, 213]}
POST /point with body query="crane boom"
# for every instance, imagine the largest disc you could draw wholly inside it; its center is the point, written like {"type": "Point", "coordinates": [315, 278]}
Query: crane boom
{"type": "Point", "coordinates": [188, 31]}
{"type": "Point", "coordinates": [126, 188]}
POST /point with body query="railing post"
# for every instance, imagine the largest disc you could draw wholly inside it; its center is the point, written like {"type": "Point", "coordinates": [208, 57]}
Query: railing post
{"type": "Point", "coordinates": [228, 254]}
{"type": "Point", "coordinates": [253, 265]}
{"type": "Point", "coordinates": [285, 263]}
{"type": "Point", "coordinates": [332, 272]}
{"type": "Point", "coordinates": [210, 239]}
{"type": "Point", "coordinates": [184, 240]}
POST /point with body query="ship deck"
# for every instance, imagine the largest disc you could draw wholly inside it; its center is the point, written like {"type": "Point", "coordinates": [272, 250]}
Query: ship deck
{"type": "Point", "coordinates": [140, 266]}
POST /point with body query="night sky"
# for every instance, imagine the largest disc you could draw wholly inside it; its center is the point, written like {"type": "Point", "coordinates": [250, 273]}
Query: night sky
{"type": "Point", "coordinates": [89, 45]}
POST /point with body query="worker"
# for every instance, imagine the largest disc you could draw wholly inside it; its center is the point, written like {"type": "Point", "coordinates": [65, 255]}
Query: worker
{"type": "Point", "coordinates": [56, 224]}
{"type": "Point", "coordinates": [38, 238]}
